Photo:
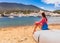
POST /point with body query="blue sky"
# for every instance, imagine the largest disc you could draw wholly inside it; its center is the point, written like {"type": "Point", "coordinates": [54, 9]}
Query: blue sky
{"type": "Point", "coordinates": [39, 3]}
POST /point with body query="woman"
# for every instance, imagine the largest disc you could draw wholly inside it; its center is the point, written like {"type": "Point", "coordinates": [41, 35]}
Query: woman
{"type": "Point", "coordinates": [42, 23]}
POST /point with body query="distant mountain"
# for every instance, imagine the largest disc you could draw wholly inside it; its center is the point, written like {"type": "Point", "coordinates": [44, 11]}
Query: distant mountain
{"type": "Point", "coordinates": [57, 11]}
{"type": "Point", "coordinates": [17, 6]}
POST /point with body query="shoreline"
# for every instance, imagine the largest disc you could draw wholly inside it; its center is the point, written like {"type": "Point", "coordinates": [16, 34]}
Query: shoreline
{"type": "Point", "coordinates": [50, 26]}
{"type": "Point", "coordinates": [30, 25]}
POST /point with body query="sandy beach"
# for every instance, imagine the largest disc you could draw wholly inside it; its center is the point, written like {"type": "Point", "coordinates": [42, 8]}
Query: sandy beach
{"type": "Point", "coordinates": [20, 34]}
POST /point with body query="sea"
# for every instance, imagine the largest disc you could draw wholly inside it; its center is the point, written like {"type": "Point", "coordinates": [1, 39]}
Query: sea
{"type": "Point", "coordinates": [23, 21]}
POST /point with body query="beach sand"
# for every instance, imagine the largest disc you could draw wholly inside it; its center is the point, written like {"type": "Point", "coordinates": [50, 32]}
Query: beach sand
{"type": "Point", "coordinates": [20, 34]}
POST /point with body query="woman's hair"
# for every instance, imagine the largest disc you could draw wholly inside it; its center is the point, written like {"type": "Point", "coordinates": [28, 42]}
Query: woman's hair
{"type": "Point", "coordinates": [43, 14]}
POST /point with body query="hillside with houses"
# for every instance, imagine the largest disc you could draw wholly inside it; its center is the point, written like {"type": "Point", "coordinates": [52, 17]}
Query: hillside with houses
{"type": "Point", "coordinates": [15, 9]}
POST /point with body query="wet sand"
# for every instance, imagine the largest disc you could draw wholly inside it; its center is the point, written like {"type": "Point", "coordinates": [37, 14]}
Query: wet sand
{"type": "Point", "coordinates": [20, 34]}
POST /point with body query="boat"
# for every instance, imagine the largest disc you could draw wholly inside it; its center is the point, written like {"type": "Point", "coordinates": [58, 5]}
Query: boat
{"type": "Point", "coordinates": [11, 16]}
{"type": "Point", "coordinates": [19, 15]}
{"type": "Point", "coordinates": [47, 36]}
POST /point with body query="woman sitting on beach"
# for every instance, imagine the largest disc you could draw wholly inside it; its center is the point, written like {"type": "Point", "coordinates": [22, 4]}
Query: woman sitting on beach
{"type": "Point", "coordinates": [43, 23]}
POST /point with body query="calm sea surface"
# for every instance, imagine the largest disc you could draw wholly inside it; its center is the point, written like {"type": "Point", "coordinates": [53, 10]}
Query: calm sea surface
{"type": "Point", "coordinates": [17, 21]}
{"type": "Point", "coordinates": [21, 21]}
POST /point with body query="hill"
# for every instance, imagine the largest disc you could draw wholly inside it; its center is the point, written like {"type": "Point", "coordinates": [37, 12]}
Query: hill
{"type": "Point", "coordinates": [57, 11]}
{"type": "Point", "coordinates": [11, 7]}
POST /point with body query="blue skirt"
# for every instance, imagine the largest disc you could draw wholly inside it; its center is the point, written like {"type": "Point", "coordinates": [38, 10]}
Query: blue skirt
{"type": "Point", "coordinates": [45, 26]}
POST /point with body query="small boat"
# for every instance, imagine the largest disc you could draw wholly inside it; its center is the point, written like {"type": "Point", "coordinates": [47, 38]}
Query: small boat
{"type": "Point", "coordinates": [11, 16]}
{"type": "Point", "coordinates": [19, 16]}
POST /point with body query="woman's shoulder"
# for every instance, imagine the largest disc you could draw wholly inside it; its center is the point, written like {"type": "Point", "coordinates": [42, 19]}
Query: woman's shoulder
{"type": "Point", "coordinates": [44, 19]}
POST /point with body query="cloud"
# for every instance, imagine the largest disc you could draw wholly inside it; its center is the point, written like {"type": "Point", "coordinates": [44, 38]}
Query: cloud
{"type": "Point", "coordinates": [42, 7]}
{"type": "Point", "coordinates": [55, 2]}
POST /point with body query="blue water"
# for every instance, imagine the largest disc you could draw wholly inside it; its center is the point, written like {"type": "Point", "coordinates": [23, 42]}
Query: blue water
{"type": "Point", "coordinates": [17, 21]}
{"type": "Point", "coordinates": [23, 21]}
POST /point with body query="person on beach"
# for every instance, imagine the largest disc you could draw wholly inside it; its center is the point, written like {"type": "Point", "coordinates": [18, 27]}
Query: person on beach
{"type": "Point", "coordinates": [43, 23]}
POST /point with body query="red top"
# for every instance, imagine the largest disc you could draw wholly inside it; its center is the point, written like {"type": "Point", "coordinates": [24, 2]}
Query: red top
{"type": "Point", "coordinates": [41, 22]}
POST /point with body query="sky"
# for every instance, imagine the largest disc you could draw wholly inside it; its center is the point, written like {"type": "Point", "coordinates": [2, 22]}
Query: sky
{"type": "Point", "coordinates": [44, 4]}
